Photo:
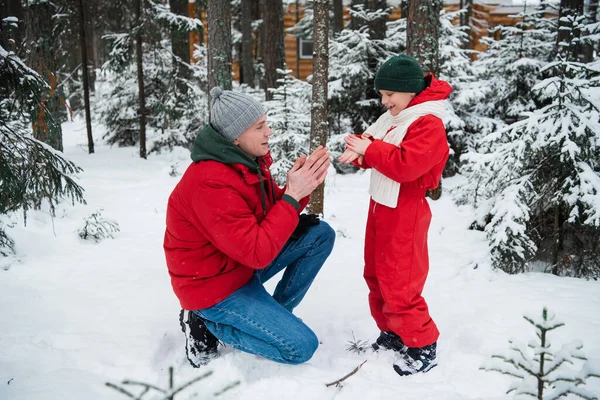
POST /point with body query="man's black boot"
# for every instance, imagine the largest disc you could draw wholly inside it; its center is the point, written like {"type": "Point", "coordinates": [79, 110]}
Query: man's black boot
{"type": "Point", "coordinates": [200, 343]}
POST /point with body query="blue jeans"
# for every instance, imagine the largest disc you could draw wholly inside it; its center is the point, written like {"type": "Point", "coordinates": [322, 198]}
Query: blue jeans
{"type": "Point", "coordinates": [252, 320]}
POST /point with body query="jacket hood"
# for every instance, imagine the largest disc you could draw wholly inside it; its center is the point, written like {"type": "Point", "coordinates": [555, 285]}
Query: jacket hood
{"type": "Point", "coordinates": [434, 90]}
{"type": "Point", "coordinates": [209, 145]}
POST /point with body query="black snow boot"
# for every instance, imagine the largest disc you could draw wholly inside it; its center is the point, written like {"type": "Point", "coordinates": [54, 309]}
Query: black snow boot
{"type": "Point", "coordinates": [389, 341]}
{"type": "Point", "coordinates": [200, 343]}
{"type": "Point", "coordinates": [416, 359]}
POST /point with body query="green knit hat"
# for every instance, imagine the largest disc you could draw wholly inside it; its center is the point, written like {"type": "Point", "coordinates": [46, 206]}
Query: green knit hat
{"type": "Point", "coordinates": [400, 73]}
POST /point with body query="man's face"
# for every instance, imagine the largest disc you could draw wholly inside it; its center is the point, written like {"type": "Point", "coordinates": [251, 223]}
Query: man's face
{"type": "Point", "coordinates": [395, 101]}
{"type": "Point", "coordinates": [255, 140]}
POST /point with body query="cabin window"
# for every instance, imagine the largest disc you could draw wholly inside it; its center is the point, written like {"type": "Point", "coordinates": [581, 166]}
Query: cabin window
{"type": "Point", "coordinates": [306, 49]}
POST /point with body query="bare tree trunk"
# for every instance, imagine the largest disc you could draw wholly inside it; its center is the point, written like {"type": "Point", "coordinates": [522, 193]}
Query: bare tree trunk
{"type": "Point", "coordinates": [91, 9]}
{"type": "Point", "coordinates": [140, 76]}
{"type": "Point", "coordinates": [377, 31]}
{"type": "Point", "coordinates": [404, 8]}
{"type": "Point", "coordinates": [219, 44]}
{"type": "Point", "coordinates": [41, 43]}
{"type": "Point", "coordinates": [84, 70]}
{"type": "Point", "coordinates": [247, 63]}
{"type": "Point", "coordinates": [423, 32]}
{"type": "Point", "coordinates": [180, 45]}
{"type": "Point", "coordinates": [200, 7]}
{"type": "Point", "coordinates": [338, 16]}
{"type": "Point", "coordinates": [319, 128]}
{"type": "Point", "coordinates": [273, 48]}
{"type": "Point", "coordinates": [297, 41]}
{"type": "Point", "coordinates": [557, 242]}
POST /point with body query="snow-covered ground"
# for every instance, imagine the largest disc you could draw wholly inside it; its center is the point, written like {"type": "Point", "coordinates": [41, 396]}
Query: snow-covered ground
{"type": "Point", "coordinates": [75, 315]}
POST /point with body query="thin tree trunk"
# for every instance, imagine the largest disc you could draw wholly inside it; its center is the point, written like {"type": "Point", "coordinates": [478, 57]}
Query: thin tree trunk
{"type": "Point", "coordinates": [92, 9]}
{"type": "Point", "coordinates": [377, 30]}
{"type": "Point", "coordinates": [42, 57]}
{"type": "Point", "coordinates": [423, 32]}
{"type": "Point", "coordinates": [319, 128]}
{"type": "Point", "coordinates": [219, 44]}
{"type": "Point", "coordinates": [247, 62]}
{"type": "Point", "coordinates": [338, 16]}
{"type": "Point", "coordinates": [180, 45]}
{"type": "Point", "coordinates": [273, 48]}
{"type": "Point", "coordinates": [140, 77]}
{"type": "Point", "coordinates": [297, 41]}
{"type": "Point", "coordinates": [404, 8]}
{"type": "Point", "coordinates": [84, 70]}
{"type": "Point", "coordinates": [557, 241]}
{"type": "Point", "coordinates": [200, 7]}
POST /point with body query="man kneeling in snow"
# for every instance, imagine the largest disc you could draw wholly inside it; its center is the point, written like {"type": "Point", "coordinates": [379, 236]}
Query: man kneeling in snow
{"type": "Point", "coordinates": [230, 228]}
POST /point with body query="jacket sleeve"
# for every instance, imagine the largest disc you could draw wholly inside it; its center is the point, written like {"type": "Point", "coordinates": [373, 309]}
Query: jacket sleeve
{"type": "Point", "coordinates": [424, 146]}
{"type": "Point", "coordinates": [232, 228]}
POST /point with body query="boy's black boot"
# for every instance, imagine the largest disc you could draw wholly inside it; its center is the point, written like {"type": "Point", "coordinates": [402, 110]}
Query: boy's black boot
{"type": "Point", "coordinates": [200, 343]}
{"type": "Point", "coordinates": [389, 341]}
{"type": "Point", "coordinates": [416, 359]}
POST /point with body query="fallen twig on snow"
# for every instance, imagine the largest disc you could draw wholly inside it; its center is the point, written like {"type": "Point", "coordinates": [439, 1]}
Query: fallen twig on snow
{"type": "Point", "coordinates": [342, 379]}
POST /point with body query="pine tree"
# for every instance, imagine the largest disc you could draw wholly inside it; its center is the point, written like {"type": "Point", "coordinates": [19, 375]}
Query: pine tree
{"type": "Point", "coordinates": [509, 68]}
{"type": "Point", "coordinates": [541, 370]}
{"type": "Point", "coordinates": [455, 68]}
{"type": "Point", "coordinates": [541, 174]}
{"type": "Point", "coordinates": [351, 75]}
{"type": "Point", "coordinates": [31, 172]}
{"type": "Point", "coordinates": [289, 118]}
{"type": "Point", "coordinates": [173, 115]}
{"type": "Point", "coordinates": [501, 90]}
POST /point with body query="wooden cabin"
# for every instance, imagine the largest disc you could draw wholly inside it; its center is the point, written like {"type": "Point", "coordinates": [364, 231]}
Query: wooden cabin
{"type": "Point", "coordinates": [298, 52]}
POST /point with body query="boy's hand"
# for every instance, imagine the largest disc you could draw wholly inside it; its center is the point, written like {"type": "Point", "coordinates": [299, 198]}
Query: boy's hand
{"type": "Point", "coordinates": [357, 144]}
{"type": "Point", "coordinates": [349, 156]}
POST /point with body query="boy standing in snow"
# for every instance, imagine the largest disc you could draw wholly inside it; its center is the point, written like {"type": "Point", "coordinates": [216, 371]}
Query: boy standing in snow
{"type": "Point", "coordinates": [230, 228]}
{"type": "Point", "coordinates": [407, 150]}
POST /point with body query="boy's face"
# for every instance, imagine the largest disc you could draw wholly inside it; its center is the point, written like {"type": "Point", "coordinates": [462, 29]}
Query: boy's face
{"type": "Point", "coordinates": [255, 140]}
{"type": "Point", "coordinates": [395, 101]}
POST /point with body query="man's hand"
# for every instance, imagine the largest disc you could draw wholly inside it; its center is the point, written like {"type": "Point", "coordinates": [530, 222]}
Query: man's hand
{"type": "Point", "coordinates": [357, 144]}
{"type": "Point", "coordinates": [348, 156]}
{"type": "Point", "coordinates": [307, 173]}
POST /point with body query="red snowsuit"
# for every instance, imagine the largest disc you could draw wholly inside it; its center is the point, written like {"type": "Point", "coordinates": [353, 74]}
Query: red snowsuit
{"type": "Point", "coordinates": [396, 257]}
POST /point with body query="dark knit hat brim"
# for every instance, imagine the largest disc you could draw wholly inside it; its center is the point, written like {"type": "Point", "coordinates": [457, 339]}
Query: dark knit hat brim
{"type": "Point", "coordinates": [400, 85]}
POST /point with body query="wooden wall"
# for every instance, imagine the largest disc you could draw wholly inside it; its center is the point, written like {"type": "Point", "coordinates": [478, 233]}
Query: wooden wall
{"type": "Point", "coordinates": [485, 16]}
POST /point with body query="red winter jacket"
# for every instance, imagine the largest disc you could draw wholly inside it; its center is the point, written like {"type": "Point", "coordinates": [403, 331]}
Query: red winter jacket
{"type": "Point", "coordinates": [221, 225]}
{"type": "Point", "coordinates": [419, 160]}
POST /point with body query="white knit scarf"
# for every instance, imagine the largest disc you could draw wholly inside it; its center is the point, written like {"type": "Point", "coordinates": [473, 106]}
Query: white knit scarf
{"type": "Point", "coordinates": [383, 189]}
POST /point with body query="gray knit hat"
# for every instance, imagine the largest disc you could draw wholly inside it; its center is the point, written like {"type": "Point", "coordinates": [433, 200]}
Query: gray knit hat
{"type": "Point", "coordinates": [232, 113]}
